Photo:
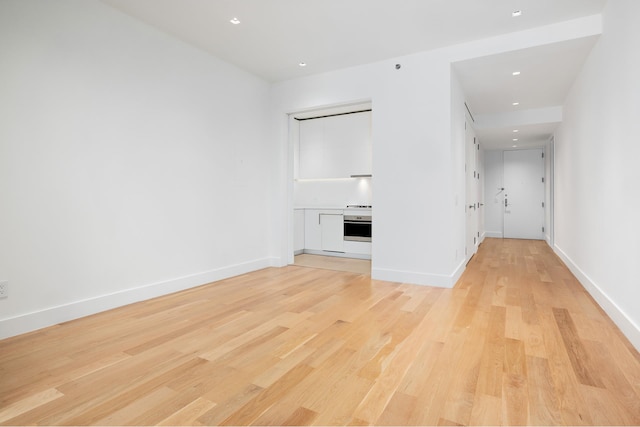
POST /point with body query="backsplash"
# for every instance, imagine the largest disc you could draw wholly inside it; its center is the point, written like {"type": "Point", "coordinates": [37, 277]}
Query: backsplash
{"type": "Point", "coordinates": [332, 192]}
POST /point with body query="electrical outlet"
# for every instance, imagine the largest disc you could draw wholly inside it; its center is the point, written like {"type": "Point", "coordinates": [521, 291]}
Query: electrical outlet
{"type": "Point", "coordinates": [4, 289]}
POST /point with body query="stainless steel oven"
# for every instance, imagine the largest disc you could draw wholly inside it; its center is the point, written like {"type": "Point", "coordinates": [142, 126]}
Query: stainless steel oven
{"type": "Point", "coordinates": [357, 228]}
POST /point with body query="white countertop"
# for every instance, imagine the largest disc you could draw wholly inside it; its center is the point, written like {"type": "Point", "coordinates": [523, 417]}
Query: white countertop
{"type": "Point", "coordinates": [341, 208]}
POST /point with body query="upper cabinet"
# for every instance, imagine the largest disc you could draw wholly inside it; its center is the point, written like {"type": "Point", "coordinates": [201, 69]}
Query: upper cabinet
{"type": "Point", "coordinates": [335, 146]}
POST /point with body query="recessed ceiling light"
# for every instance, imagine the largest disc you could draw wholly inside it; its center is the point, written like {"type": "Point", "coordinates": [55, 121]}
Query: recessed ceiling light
{"type": "Point", "coordinates": [514, 146]}
{"type": "Point", "coordinates": [516, 130]}
{"type": "Point", "coordinates": [302, 64]}
{"type": "Point", "coordinates": [516, 103]}
{"type": "Point", "coordinates": [516, 73]}
{"type": "Point", "coordinates": [516, 13]}
{"type": "Point", "coordinates": [515, 139]}
{"type": "Point", "coordinates": [234, 21]}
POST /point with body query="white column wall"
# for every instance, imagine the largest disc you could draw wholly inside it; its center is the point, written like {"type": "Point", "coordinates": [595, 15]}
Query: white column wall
{"type": "Point", "coordinates": [459, 116]}
{"type": "Point", "coordinates": [412, 203]}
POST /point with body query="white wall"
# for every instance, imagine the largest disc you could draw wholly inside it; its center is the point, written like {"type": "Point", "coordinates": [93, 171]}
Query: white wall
{"type": "Point", "coordinates": [131, 164]}
{"type": "Point", "coordinates": [597, 231]}
{"type": "Point", "coordinates": [459, 116]}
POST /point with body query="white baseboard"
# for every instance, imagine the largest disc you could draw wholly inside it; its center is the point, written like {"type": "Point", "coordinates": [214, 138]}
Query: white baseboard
{"type": "Point", "coordinates": [53, 315]}
{"type": "Point", "coordinates": [494, 234]}
{"type": "Point", "coordinates": [626, 325]}
{"type": "Point", "coordinates": [437, 280]}
{"type": "Point", "coordinates": [337, 254]}
{"type": "Point", "coordinates": [457, 273]}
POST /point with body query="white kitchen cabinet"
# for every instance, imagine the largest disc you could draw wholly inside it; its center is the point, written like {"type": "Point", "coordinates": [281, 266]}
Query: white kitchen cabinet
{"type": "Point", "coordinates": [332, 232]}
{"type": "Point", "coordinates": [335, 147]}
{"type": "Point", "coordinates": [298, 230]}
{"type": "Point", "coordinates": [357, 248]}
{"type": "Point", "coordinates": [324, 233]}
{"type": "Point", "coordinates": [311, 149]}
{"type": "Point", "coordinates": [313, 233]}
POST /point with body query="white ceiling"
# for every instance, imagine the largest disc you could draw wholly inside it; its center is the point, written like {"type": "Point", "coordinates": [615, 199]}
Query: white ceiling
{"type": "Point", "coordinates": [546, 75]}
{"type": "Point", "coordinates": [546, 72]}
{"type": "Point", "coordinates": [275, 35]}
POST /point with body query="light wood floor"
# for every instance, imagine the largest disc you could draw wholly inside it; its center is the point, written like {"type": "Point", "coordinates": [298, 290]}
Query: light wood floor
{"type": "Point", "coordinates": [517, 341]}
{"type": "Point", "coordinates": [361, 266]}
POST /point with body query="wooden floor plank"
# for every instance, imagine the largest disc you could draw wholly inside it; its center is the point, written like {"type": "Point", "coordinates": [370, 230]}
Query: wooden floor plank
{"type": "Point", "coordinates": [517, 341]}
{"type": "Point", "coordinates": [300, 417]}
{"type": "Point", "coordinates": [188, 414]}
{"type": "Point", "coordinates": [544, 404]}
{"type": "Point", "coordinates": [28, 403]}
{"type": "Point", "coordinates": [586, 371]}
{"type": "Point", "coordinates": [572, 403]}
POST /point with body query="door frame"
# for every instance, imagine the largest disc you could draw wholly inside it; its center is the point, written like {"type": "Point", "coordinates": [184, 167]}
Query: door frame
{"type": "Point", "coordinates": [550, 176]}
{"type": "Point", "coordinates": [472, 190]}
{"type": "Point", "coordinates": [291, 125]}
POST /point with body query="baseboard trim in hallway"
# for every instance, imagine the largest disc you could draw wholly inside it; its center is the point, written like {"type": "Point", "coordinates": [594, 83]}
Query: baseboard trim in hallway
{"type": "Point", "coordinates": [617, 315]}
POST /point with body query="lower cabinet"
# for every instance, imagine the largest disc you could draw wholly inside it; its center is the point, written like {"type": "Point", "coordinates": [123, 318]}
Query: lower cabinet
{"type": "Point", "coordinates": [312, 237]}
{"type": "Point", "coordinates": [323, 230]}
{"type": "Point", "coordinates": [357, 248]}
{"type": "Point", "coordinates": [324, 233]}
{"type": "Point", "coordinates": [332, 232]}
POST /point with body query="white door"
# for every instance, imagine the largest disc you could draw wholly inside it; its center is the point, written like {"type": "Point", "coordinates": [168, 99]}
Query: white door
{"type": "Point", "coordinates": [471, 197]}
{"type": "Point", "coordinates": [524, 194]}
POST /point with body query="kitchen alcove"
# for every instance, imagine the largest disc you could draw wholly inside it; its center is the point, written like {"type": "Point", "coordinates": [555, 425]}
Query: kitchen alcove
{"type": "Point", "coordinates": [331, 151]}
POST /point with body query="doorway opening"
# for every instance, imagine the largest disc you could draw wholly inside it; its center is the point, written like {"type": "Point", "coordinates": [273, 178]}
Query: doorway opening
{"type": "Point", "coordinates": [473, 190]}
{"type": "Point", "coordinates": [518, 186]}
{"type": "Point", "coordinates": [331, 152]}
